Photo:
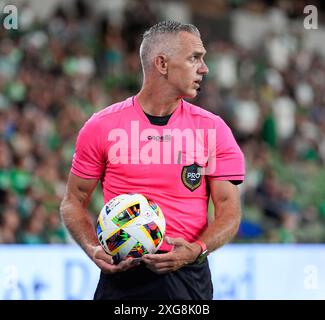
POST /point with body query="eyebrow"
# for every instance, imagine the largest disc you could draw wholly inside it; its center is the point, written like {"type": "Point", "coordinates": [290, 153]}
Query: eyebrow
{"type": "Point", "coordinates": [201, 53]}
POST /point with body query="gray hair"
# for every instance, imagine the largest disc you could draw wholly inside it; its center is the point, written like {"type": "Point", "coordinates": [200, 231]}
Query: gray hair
{"type": "Point", "coordinates": [154, 39]}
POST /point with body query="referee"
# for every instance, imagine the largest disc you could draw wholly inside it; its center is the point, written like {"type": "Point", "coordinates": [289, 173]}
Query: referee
{"type": "Point", "coordinates": [192, 155]}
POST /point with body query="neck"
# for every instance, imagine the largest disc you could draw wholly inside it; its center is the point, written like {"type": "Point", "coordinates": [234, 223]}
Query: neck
{"type": "Point", "coordinates": [156, 102]}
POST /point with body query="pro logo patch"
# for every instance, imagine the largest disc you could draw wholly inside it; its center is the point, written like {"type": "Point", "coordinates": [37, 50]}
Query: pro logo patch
{"type": "Point", "coordinates": [192, 176]}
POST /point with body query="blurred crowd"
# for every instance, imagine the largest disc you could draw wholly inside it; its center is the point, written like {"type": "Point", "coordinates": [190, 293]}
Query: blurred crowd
{"type": "Point", "coordinates": [55, 74]}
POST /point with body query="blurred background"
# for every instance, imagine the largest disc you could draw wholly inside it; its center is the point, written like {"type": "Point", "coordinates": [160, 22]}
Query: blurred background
{"type": "Point", "coordinates": [69, 59]}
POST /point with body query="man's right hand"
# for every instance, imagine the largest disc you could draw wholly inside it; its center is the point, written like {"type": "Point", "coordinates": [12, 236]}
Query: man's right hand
{"type": "Point", "coordinates": [105, 262]}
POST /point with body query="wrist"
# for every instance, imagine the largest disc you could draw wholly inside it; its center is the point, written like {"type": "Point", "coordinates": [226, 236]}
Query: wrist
{"type": "Point", "coordinates": [203, 253]}
{"type": "Point", "coordinates": [197, 250]}
{"type": "Point", "coordinates": [202, 245]}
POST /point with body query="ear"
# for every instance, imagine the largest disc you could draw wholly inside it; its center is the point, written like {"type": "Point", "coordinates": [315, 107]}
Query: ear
{"type": "Point", "coordinates": [161, 64]}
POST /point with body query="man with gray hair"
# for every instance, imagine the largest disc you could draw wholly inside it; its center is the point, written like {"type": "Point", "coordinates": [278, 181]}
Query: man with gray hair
{"type": "Point", "coordinates": [181, 182]}
{"type": "Point", "coordinates": [158, 40]}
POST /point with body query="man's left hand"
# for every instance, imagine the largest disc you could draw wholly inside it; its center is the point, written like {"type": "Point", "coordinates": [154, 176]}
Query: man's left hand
{"type": "Point", "coordinates": [183, 253]}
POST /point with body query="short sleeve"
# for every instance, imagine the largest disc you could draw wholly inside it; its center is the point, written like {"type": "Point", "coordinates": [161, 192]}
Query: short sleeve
{"type": "Point", "coordinates": [227, 160]}
{"type": "Point", "coordinates": [88, 161]}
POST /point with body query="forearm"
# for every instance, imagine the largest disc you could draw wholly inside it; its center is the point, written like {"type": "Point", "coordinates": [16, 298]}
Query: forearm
{"type": "Point", "coordinates": [225, 224]}
{"type": "Point", "coordinates": [79, 224]}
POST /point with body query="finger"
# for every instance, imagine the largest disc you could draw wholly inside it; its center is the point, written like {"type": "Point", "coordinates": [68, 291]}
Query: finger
{"type": "Point", "coordinates": [105, 258]}
{"type": "Point", "coordinates": [151, 268]}
{"type": "Point", "coordinates": [158, 257]}
{"type": "Point", "coordinates": [161, 265]}
{"type": "Point", "coordinates": [122, 266]}
{"type": "Point", "coordinates": [106, 268]}
{"type": "Point", "coordinates": [113, 268]}
{"type": "Point", "coordinates": [128, 264]}
{"type": "Point", "coordinates": [157, 265]}
{"type": "Point", "coordinates": [135, 262]}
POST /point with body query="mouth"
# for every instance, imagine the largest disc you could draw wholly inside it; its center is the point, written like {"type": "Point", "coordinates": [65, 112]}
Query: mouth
{"type": "Point", "coordinates": [197, 83]}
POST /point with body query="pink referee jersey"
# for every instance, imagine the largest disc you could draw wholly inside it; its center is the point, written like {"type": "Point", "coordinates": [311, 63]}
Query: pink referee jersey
{"type": "Point", "coordinates": [169, 164]}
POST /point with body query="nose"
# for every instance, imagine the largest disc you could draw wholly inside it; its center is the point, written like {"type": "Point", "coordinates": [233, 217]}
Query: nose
{"type": "Point", "coordinates": [203, 68]}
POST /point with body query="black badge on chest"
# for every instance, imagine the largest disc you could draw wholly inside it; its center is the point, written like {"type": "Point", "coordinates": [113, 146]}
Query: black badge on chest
{"type": "Point", "coordinates": [192, 176]}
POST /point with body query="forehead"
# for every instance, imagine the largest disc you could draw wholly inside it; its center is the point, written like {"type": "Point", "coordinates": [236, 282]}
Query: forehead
{"type": "Point", "coordinates": [189, 43]}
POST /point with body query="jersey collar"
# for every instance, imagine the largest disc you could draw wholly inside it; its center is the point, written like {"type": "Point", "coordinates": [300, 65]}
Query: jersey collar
{"type": "Point", "coordinates": [138, 109]}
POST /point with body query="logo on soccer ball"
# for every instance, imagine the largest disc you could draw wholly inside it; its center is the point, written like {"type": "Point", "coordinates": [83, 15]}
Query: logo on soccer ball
{"type": "Point", "coordinates": [148, 215]}
{"type": "Point", "coordinates": [192, 176]}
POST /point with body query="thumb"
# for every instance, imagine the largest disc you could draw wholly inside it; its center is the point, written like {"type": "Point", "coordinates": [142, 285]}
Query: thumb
{"type": "Point", "coordinates": [99, 253]}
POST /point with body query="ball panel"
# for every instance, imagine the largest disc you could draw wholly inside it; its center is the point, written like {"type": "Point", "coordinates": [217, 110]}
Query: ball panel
{"type": "Point", "coordinates": [127, 215]}
{"type": "Point", "coordinates": [153, 232]}
{"type": "Point", "coordinates": [137, 251]}
{"type": "Point", "coordinates": [117, 240]}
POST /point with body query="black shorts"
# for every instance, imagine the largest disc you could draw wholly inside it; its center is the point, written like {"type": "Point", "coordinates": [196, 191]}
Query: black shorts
{"type": "Point", "coordinates": [191, 282]}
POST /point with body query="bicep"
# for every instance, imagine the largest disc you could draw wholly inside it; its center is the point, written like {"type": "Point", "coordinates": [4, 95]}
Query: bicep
{"type": "Point", "coordinates": [80, 189]}
{"type": "Point", "coordinates": [224, 195]}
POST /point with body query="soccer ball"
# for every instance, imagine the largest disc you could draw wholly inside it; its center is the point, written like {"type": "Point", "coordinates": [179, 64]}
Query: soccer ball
{"type": "Point", "coordinates": [130, 225]}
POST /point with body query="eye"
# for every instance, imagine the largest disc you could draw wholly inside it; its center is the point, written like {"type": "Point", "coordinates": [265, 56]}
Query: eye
{"type": "Point", "coordinates": [195, 58]}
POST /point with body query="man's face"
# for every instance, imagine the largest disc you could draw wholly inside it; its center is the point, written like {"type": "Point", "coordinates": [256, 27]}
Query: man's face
{"type": "Point", "coordinates": [186, 66]}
